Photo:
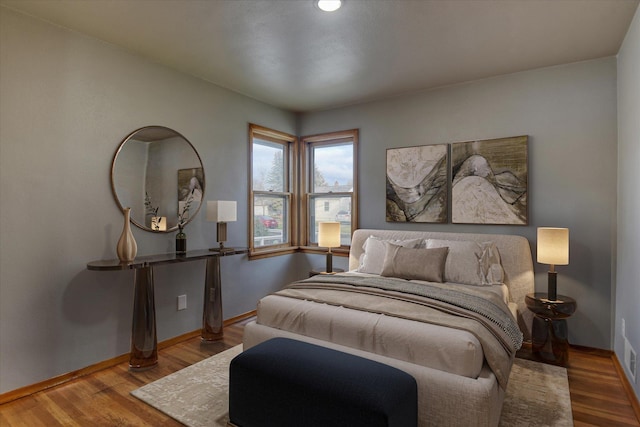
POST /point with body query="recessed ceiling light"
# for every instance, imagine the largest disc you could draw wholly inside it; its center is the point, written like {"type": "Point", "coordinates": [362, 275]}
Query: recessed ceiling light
{"type": "Point", "coordinates": [329, 5]}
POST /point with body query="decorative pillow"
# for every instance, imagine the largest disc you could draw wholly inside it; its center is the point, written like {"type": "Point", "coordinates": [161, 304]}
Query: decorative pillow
{"type": "Point", "coordinates": [418, 264]}
{"type": "Point", "coordinates": [372, 258]}
{"type": "Point", "coordinates": [491, 264]}
{"type": "Point", "coordinates": [470, 262]}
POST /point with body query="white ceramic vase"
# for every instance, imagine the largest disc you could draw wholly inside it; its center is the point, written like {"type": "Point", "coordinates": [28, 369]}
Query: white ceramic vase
{"type": "Point", "coordinates": [127, 247]}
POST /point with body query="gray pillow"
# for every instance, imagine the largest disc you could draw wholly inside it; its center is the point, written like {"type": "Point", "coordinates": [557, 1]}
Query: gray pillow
{"type": "Point", "coordinates": [414, 264]}
{"type": "Point", "coordinates": [372, 258]}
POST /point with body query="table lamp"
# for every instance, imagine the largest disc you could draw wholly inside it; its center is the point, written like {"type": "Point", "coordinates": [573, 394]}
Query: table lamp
{"type": "Point", "coordinates": [221, 211]}
{"type": "Point", "coordinates": [329, 237]}
{"type": "Point", "coordinates": [553, 249]}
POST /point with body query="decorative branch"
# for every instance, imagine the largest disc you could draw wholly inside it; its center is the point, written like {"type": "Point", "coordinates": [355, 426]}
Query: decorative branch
{"type": "Point", "coordinates": [148, 206]}
{"type": "Point", "coordinates": [184, 215]}
{"type": "Point", "coordinates": [152, 211]}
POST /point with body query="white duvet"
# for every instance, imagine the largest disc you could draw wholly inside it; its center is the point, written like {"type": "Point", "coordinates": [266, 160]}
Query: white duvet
{"type": "Point", "coordinates": [451, 350]}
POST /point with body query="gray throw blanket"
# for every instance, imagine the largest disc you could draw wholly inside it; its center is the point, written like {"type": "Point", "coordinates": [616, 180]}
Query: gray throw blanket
{"type": "Point", "coordinates": [487, 318]}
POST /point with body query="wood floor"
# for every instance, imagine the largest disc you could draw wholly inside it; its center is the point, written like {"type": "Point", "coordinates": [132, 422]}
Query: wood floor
{"type": "Point", "coordinates": [102, 398]}
{"type": "Point", "coordinates": [597, 394]}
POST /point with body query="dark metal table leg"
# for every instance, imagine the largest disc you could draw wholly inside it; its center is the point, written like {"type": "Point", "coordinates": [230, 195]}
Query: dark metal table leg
{"type": "Point", "coordinates": [144, 340]}
{"type": "Point", "coordinates": [212, 310]}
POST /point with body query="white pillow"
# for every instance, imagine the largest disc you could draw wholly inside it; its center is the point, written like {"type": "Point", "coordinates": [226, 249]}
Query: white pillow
{"type": "Point", "coordinates": [471, 263]}
{"type": "Point", "coordinates": [372, 259]}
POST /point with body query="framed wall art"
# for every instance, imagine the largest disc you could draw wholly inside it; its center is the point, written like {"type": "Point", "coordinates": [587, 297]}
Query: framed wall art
{"type": "Point", "coordinates": [489, 181]}
{"type": "Point", "coordinates": [417, 184]}
{"type": "Point", "coordinates": [189, 188]}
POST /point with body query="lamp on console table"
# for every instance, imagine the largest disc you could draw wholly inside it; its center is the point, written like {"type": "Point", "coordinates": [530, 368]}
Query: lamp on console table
{"type": "Point", "coordinates": [329, 237]}
{"type": "Point", "coordinates": [221, 211]}
{"type": "Point", "coordinates": [553, 249]}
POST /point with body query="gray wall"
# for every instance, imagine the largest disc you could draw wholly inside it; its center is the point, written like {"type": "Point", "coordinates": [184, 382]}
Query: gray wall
{"type": "Point", "coordinates": [569, 113]}
{"type": "Point", "coordinates": [67, 102]}
{"type": "Point", "coordinates": [628, 271]}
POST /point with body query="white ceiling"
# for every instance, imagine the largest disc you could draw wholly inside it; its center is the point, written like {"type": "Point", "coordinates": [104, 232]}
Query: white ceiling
{"type": "Point", "coordinates": [289, 54]}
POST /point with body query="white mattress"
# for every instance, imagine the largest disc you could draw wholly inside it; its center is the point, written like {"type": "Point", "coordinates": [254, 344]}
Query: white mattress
{"type": "Point", "coordinates": [451, 350]}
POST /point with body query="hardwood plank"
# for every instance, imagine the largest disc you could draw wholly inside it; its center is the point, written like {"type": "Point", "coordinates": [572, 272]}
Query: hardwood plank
{"type": "Point", "coordinates": [102, 398]}
{"type": "Point", "coordinates": [67, 403]}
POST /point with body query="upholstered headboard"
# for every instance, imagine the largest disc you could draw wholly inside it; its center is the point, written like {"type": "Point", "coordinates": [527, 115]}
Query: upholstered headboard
{"type": "Point", "coordinates": [515, 254]}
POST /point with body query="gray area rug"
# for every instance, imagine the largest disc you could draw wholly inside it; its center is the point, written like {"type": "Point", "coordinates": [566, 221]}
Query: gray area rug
{"type": "Point", "coordinates": [197, 396]}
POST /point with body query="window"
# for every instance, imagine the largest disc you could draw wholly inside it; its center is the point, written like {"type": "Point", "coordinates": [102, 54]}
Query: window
{"type": "Point", "coordinates": [329, 163]}
{"type": "Point", "coordinates": [286, 207]}
{"type": "Point", "coordinates": [272, 178]}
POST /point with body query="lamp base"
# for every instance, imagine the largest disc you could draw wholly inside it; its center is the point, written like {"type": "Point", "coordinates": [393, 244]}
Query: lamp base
{"type": "Point", "coordinates": [552, 290]}
{"type": "Point", "coordinates": [222, 249]}
{"type": "Point", "coordinates": [221, 235]}
{"type": "Point", "coordinates": [329, 263]}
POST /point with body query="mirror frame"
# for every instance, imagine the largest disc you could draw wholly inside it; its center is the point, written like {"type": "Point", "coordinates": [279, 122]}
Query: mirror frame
{"type": "Point", "coordinates": [129, 137]}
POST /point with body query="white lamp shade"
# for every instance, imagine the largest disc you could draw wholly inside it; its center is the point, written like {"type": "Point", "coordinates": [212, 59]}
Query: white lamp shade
{"type": "Point", "coordinates": [329, 234]}
{"type": "Point", "coordinates": [553, 246]}
{"type": "Point", "coordinates": [221, 211]}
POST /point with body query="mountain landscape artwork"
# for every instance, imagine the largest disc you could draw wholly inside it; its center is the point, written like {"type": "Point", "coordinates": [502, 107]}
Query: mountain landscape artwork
{"type": "Point", "coordinates": [417, 184]}
{"type": "Point", "coordinates": [489, 181]}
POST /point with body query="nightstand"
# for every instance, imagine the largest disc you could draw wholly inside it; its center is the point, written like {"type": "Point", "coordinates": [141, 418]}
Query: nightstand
{"type": "Point", "coordinates": [318, 271]}
{"type": "Point", "coordinates": [550, 332]}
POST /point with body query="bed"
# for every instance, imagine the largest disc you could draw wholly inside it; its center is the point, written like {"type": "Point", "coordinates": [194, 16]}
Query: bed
{"type": "Point", "coordinates": [448, 308]}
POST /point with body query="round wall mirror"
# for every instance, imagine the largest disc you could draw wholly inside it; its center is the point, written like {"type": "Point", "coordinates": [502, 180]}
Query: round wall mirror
{"type": "Point", "coordinates": [159, 175]}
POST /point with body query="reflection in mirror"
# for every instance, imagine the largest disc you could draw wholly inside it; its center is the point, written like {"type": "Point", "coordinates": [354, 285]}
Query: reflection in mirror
{"type": "Point", "coordinates": [159, 175]}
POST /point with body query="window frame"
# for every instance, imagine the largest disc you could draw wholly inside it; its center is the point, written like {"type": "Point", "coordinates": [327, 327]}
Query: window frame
{"type": "Point", "coordinates": [290, 142]}
{"type": "Point", "coordinates": [307, 143]}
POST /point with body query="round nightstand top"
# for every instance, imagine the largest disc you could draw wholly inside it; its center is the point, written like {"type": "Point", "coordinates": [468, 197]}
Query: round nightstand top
{"type": "Point", "coordinates": [560, 308]}
{"type": "Point", "coordinates": [319, 271]}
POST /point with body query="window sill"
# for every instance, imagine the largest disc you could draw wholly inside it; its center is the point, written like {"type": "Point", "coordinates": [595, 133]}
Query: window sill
{"type": "Point", "coordinates": [343, 251]}
{"type": "Point", "coordinates": [268, 253]}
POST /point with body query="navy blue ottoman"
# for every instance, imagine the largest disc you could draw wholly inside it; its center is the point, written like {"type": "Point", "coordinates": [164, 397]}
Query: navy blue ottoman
{"type": "Point", "coordinates": [283, 382]}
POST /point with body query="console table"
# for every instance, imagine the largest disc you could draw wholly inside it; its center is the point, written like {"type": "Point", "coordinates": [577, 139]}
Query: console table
{"type": "Point", "coordinates": [144, 340]}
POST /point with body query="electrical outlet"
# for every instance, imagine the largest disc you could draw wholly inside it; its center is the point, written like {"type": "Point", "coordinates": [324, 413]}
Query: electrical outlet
{"type": "Point", "coordinates": [182, 302]}
{"type": "Point", "coordinates": [630, 359]}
